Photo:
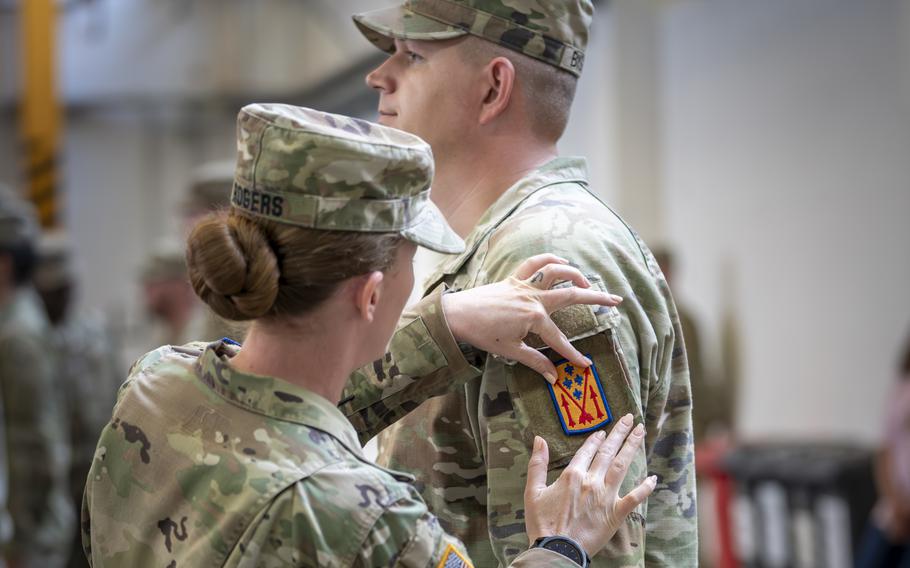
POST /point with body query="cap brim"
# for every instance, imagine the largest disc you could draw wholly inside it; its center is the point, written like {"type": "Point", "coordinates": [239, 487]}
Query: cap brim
{"type": "Point", "coordinates": [430, 230]}
{"type": "Point", "coordinates": [385, 25]}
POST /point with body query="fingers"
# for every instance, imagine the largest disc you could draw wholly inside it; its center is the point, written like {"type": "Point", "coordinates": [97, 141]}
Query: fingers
{"type": "Point", "coordinates": [582, 458]}
{"type": "Point", "coordinates": [620, 464]}
{"type": "Point", "coordinates": [635, 497]}
{"type": "Point", "coordinates": [527, 268]}
{"type": "Point", "coordinates": [550, 274]}
{"type": "Point", "coordinates": [610, 447]}
{"type": "Point", "coordinates": [557, 340]}
{"type": "Point", "coordinates": [535, 360]}
{"type": "Point", "coordinates": [553, 300]}
{"type": "Point", "coordinates": [537, 467]}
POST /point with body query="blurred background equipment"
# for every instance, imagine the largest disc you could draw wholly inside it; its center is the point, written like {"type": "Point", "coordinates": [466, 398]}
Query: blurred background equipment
{"type": "Point", "coordinates": [41, 113]}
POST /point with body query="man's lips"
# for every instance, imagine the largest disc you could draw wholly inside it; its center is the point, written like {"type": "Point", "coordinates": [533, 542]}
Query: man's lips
{"type": "Point", "coordinates": [387, 113]}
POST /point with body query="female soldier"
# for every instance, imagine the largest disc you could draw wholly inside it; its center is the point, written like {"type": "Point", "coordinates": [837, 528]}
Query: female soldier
{"type": "Point", "coordinates": [218, 455]}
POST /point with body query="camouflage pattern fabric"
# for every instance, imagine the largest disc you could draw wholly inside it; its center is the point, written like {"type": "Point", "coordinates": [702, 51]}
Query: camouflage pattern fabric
{"type": "Point", "coordinates": [325, 171]}
{"type": "Point", "coordinates": [89, 375]}
{"type": "Point", "coordinates": [465, 427]}
{"type": "Point", "coordinates": [552, 31]}
{"type": "Point", "coordinates": [202, 465]}
{"type": "Point", "coordinates": [42, 515]}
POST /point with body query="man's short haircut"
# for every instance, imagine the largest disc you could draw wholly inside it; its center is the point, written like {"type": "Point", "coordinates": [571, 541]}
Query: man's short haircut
{"type": "Point", "coordinates": [548, 90]}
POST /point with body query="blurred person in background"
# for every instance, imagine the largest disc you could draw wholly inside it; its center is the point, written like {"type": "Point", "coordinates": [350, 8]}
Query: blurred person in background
{"type": "Point", "coordinates": [89, 372]}
{"type": "Point", "coordinates": [713, 408]}
{"type": "Point", "coordinates": [887, 539]}
{"type": "Point", "coordinates": [489, 84]}
{"type": "Point", "coordinates": [168, 297]}
{"type": "Point", "coordinates": [209, 190]}
{"type": "Point", "coordinates": [222, 455]}
{"type": "Point", "coordinates": [36, 440]}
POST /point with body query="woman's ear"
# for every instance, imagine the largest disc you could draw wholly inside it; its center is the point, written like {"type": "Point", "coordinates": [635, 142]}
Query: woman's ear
{"type": "Point", "coordinates": [367, 295]}
{"type": "Point", "coordinates": [499, 75]}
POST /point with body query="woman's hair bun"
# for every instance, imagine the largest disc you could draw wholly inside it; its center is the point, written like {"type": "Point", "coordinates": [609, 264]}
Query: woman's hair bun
{"type": "Point", "coordinates": [232, 267]}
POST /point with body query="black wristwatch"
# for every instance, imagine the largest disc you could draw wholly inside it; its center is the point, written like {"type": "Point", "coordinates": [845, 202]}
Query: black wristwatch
{"type": "Point", "coordinates": [565, 546]}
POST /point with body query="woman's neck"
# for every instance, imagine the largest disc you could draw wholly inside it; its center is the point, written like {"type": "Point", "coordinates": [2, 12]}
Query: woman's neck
{"type": "Point", "coordinates": [319, 360]}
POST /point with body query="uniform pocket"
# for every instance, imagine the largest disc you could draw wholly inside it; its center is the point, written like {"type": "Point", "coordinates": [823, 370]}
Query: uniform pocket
{"type": "Point", "coordinates": [582, 401]}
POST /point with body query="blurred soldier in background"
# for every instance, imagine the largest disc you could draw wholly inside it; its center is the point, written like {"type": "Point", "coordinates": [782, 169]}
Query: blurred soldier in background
{"type": "Point", "coordinates": [713, 400]}
{"type": "Point", "coordinates": [209, 190]}
{"type": "Point", "coordinates": [89, 373]}
{"type": "Point", "coordinates": [38, 456]}
{"type": "Point", "coordinates": [168, 296]}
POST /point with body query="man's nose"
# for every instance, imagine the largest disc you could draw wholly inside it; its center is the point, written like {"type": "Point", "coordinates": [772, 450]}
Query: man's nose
{"type": "Point", "coordinates": [382, 78]}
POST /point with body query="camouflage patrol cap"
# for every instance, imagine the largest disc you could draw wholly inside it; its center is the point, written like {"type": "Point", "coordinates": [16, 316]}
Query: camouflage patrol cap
{"type": "Point", "coordinates": [55, 261]}
{"type": "Point", "coordinates": [324, 171]}
{"type": "Point", "coordinates": [166, 261]}
{"type": "Point", "coordinates": [553, 31]}
{"type": "Point", "coordinates": [210, 186]}
{"type": "Point", "coordinates": [18, 222]}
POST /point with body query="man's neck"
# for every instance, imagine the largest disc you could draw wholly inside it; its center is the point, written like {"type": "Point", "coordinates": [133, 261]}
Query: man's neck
{"type": "Point", "coordinates": [466, 184]}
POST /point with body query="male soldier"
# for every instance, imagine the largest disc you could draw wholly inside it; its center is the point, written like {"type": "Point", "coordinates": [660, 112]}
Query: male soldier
{"type": "Point", "coordinates": [88, 373]}
{"type": "Point", "coordinates": [42, 515]}
{"type": "Point", "coordinates": [209, 190]}
{"type": "Point", "coordinates": [489, 83]}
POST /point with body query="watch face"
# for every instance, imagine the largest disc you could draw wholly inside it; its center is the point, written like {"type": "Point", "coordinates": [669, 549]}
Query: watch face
{"type": "Point", "coordinates": [566, 549]}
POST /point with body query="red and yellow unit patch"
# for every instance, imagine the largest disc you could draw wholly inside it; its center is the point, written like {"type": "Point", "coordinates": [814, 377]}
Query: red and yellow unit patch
{"type": "Point", "coordinates": [578, 397]}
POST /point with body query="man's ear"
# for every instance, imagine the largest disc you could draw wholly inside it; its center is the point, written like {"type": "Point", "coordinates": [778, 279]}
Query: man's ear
{"type": "Point", "coordinates": [367, 295]}
{"type": "Point", "coordinates": [499, 77]}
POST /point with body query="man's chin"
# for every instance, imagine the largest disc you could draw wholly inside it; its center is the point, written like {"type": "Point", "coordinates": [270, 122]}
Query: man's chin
{"type": "Point", "coordinates": [387, 119]}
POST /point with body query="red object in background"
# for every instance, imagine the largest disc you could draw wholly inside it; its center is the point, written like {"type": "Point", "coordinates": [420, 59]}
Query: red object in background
{"type": "Point", "coordinates": [708, 457]}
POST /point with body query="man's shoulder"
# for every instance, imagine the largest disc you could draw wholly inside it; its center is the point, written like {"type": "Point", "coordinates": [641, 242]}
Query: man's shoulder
{"type": "Point", "coordinates": [567, 220]}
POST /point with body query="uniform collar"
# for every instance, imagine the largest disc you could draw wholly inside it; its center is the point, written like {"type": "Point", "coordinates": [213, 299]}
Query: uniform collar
{"type": "Point", "coordinates": [273, 397]}
{"type": "Point", "coordinates": [557, 170]}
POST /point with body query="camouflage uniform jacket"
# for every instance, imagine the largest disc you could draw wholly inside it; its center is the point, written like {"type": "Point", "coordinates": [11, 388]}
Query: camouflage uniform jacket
{"type": "Point", "coordinates": [469, 446]}
{"type": "Point", "coordinates": [42, 515]}
{"type": "Point", "coordinates": [203, 465]}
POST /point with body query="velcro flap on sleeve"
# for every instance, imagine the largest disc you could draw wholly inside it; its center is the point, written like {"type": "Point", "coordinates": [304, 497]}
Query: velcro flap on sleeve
{"type": "Point", "coordinates": [580, 320]}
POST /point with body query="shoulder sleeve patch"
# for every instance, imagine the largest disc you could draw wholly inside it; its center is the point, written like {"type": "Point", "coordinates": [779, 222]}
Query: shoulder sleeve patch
{"type": "Point", "coordinates": [579, 398]}
{"type": "Point", "coordinates": [451, 558]}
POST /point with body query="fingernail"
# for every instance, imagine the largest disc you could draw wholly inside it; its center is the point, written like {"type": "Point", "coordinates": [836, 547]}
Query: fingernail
{"type": "Point", "coordinates": [536, 443]}
{"type": "Point", "coordinates": [562, 260]}
{"type": "Point", "coordinates": [616, 298]}
{"type": "Point", "coordinates": [627, 420]}
{"type": "Point", "coordinates": [588, 362]}
{"type": "Point", "coordinates": [551, 378]}
{"type": "Point", "coordinates": [601, 434]}
{"type": "Point", "coordinates": [639, 430]}
{"type": "Point", "coordinates": [652, 480]}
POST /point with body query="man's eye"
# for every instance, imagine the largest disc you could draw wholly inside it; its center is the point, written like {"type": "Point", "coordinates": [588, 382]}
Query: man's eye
{"type": "Point", "coordinates": [413, 57]}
